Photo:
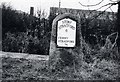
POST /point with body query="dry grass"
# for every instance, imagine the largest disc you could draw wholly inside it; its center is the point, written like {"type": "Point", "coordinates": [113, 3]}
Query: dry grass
{"type": "Point", "coordinates": [22, 69]}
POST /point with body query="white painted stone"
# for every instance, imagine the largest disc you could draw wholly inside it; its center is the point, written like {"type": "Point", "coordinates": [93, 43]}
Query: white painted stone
{"type": "Point", "coordinates": [66, 33]}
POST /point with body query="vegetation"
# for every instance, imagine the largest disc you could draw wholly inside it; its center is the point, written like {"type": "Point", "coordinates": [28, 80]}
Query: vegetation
{"type": "Point", "coordinates": [24, 69]}
{"type": "Point", "coordinates": [24, 33]}
{"type": "Point", "coordinates": [28, 34]}
{"type": "Point", "coordinates": [26, 30]}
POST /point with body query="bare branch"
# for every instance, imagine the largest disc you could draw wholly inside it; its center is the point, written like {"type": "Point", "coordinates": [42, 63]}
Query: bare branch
{"type": "Point", "coordinates": [101, 13]}
{"type": "Point", "coordinates": [114, 1]}
{"type": "Point", "coordinates": [111, 9]}
{"type": "Point", "coordinates": [99, 8]}
{"type": "Point", "coordinates": [108, 41]}
{"type": "Point", "coordinates": [91, 5]}
{"type": "Point", "coordinates": [41, 13]}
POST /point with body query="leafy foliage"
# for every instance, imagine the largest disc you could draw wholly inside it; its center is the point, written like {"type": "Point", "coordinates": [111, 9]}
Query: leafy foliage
{"type": "Point", "coordinates": [94, 32]}
{"type": "Point", "coordinates": [13, 21]}
{"type": "Point", "coordinates": [25, 43]}
{"type": "Point", "coordinates": [24, 33]}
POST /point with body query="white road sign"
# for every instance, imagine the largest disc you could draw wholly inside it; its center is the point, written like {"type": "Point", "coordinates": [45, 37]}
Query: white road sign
{"type": "Point", "coordinates": [66, 33]}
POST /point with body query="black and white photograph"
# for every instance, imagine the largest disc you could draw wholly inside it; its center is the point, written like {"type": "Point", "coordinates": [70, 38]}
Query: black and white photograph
{"type": "Point", "coordinates": [59, 40]}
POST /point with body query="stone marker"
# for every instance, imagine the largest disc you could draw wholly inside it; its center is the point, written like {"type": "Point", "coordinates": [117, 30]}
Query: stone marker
{"type": "Point", "coordinates": [66, 33]}
{"type": "Point", "coordinates": [66, 40]}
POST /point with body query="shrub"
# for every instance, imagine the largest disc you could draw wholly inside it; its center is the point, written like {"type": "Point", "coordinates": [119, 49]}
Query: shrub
{"type": "Point", "coordinates": [23, 43]}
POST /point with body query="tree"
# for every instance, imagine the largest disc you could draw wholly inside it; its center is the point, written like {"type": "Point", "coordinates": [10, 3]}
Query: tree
{"type": "Point", "coordinates": [112, 2]}
{"type": "Point", "coordinates": [12, 21]}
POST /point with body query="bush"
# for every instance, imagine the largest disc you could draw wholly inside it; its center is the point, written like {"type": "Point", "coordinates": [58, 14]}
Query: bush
{"type": "Point", "coordinates": [24, 33]}
{"type": "Point", "coordinates": [23, 43]}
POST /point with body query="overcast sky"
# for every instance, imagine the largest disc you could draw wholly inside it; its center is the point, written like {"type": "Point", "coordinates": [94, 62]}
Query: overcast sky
{"type": "Point", "coordinates": [24, 5]}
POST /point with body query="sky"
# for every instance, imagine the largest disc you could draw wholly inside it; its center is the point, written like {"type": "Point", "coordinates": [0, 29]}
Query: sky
{"type": "Point", "coordinates": [24, 5]}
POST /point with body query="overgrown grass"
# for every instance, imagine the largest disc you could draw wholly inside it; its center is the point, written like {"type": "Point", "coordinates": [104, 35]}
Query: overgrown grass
{"type": "Point", "coordinates": [96, 64]}
{"type": "Point", "coordinates": [22, 69]}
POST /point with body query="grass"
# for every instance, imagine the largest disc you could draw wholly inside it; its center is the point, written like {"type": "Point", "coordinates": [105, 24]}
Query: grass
{"type": "Point", "coordinates": [102, 64]}
{"type": "Point", "coordinates": [23, 69]}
